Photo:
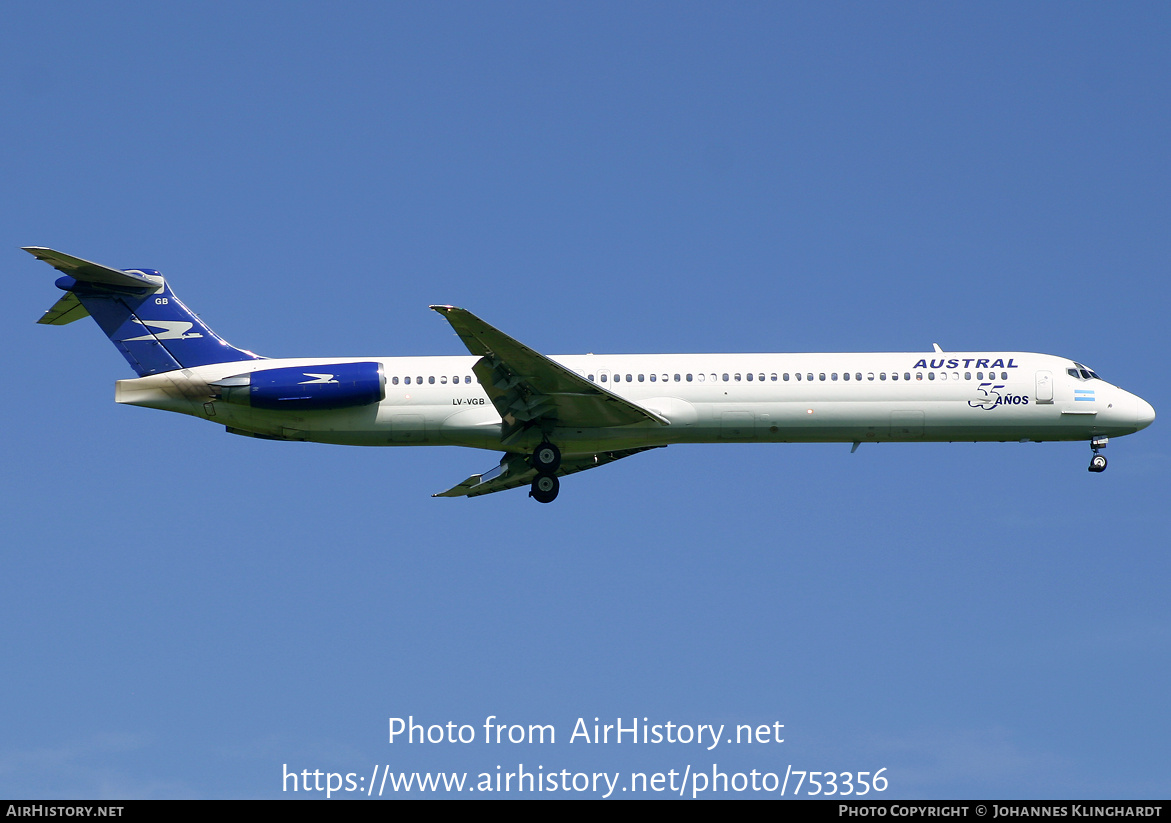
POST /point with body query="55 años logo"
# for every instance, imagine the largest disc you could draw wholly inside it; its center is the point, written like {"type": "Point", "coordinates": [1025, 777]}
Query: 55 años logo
{"type": "Point", "coordinates": [991, 398]}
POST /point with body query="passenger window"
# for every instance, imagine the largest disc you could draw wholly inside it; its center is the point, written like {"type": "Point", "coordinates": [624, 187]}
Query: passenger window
{"type": "Point", "coordinates": [870, 375]}
{"type": "Point", "coordinates": [845, 375]}
{"type": "Point", "coordinates": [834, 377]}
{"type": "Point", "coordinates": [431, 380]}
{"type": "Point", "coordinates": [858, 375]}
{"type": "Point", "coordinates": [736, 377]}
{"type": "Point", "coordinates": [630, 378]}
{"type": "Point", "coordinates": [700, 377]}
{"type": "Point", "coordinates": [774, 377]}
{"type": "Point", "coordinates": [749, 376]}
{"type": "Point", "coordinates": [930, 375]}
{"type": "Point", "coordinates": [652, 378]}
{"type": "Point", "coordinates": [798, 375]}
{"type": "Point", "coordinates": [785, 377]}
{"type": "Point", "coordinates": [407, 380]}
{"type": "Point", "coordinates": [725, 377]}
{"type": "Point", "coordinates": [640, 380]}
{"type": "Point", "coordinates": [689, 378]}
{"type": "Point", "coordinates": [443, 380]}
{"type": "Point", "coordinates": [676, 378]}
{"type": "Point", "coordinates": [882, 376]}
{"type": "Point", "coordinates": [394, 380]}
{"type": "Point", "coordinates": [894, 375]}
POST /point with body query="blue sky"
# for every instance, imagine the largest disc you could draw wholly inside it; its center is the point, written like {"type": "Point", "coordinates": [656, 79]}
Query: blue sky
{"type": "Point", "coordinates": [186, 612]}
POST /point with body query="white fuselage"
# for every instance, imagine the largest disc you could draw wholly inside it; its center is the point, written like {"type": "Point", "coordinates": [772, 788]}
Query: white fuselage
{"type": "Point", "coordinates": [706, 398]}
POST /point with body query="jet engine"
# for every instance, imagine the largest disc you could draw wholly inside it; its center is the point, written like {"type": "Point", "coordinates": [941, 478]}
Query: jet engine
{"type": "Point", "coordinates": [303, 388]}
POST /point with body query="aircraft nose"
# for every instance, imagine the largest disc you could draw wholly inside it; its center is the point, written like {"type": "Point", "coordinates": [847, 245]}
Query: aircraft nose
{"type": "Point", "coordinates": [1144, 413]}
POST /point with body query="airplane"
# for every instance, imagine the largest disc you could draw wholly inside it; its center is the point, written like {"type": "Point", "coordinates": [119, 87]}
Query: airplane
{"type": "Point", "coordinates": [553, 416]}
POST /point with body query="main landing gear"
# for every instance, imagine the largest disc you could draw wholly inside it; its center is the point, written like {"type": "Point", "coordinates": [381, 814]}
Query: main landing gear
{"type": "Point", "coordinates": [1098, 461]}
{"type": "Point", "coordinates": [545, 488]}
{"type": "Point", "coordinates": [546, 460]}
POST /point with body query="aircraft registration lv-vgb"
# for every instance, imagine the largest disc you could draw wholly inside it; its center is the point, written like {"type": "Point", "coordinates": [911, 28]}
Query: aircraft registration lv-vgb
{"type": "Point", "coordinates": [553, 416]}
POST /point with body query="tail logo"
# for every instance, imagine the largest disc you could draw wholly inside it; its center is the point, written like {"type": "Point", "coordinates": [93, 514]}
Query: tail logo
{"type": "Point", "coordinates": [171, 330]}
{"type": "Point", "coordinates": [318, 379]}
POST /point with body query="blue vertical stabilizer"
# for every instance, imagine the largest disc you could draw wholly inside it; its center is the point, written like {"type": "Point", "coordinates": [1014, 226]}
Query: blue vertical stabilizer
{"type": "Point", "coordinates": [140, 314]}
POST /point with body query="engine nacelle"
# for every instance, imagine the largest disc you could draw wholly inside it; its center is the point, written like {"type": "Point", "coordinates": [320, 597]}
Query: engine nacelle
{"type": "Point", "coordinates": [302, 388]}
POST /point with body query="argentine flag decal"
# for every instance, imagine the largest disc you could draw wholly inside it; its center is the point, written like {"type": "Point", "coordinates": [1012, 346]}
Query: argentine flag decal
{"type": "Point", "coordinates": [1083, 394]}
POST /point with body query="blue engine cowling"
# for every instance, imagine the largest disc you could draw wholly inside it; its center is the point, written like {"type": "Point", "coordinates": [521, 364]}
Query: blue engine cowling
{"type": "Point", "coordinates": [300, 388]}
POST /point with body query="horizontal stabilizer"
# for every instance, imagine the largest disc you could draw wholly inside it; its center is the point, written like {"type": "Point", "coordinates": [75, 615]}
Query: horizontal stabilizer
{"type": "Point", "coordinates": [89, 272]}
{"type": "Point", "coordinates": [65, 310]}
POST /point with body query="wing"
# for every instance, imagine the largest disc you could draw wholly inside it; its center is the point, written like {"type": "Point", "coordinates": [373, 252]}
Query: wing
{"type": "Point", "coordinates": [514, 470]}
{"type": "Point", "coordinates": [528, 389]}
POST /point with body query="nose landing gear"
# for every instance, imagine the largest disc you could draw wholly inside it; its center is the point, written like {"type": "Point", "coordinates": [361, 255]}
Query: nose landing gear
{"type": "Point", "coordinates": [1098, 461]}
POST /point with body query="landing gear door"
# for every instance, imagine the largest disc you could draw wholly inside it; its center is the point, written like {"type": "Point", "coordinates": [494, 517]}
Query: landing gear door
{"type": "Point", "coordinates": [1044, 387]}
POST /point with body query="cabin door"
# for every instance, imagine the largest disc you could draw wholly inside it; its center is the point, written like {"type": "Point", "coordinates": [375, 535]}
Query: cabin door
{"type": "Point", "coordinates": [1044, 387]}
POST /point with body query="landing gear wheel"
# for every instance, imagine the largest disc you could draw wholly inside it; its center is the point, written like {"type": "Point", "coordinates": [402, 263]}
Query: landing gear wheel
{"type": "Point", "coordinates": [1098, 463]}
{"type": "Point", "coordinates": [546, 458]}
{"type": "Point", "coordinates": [545, 488]}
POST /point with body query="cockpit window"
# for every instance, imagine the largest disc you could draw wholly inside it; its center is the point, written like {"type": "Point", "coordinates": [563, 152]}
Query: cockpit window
{"type": "Point", "coordinates": [1083, 372]}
